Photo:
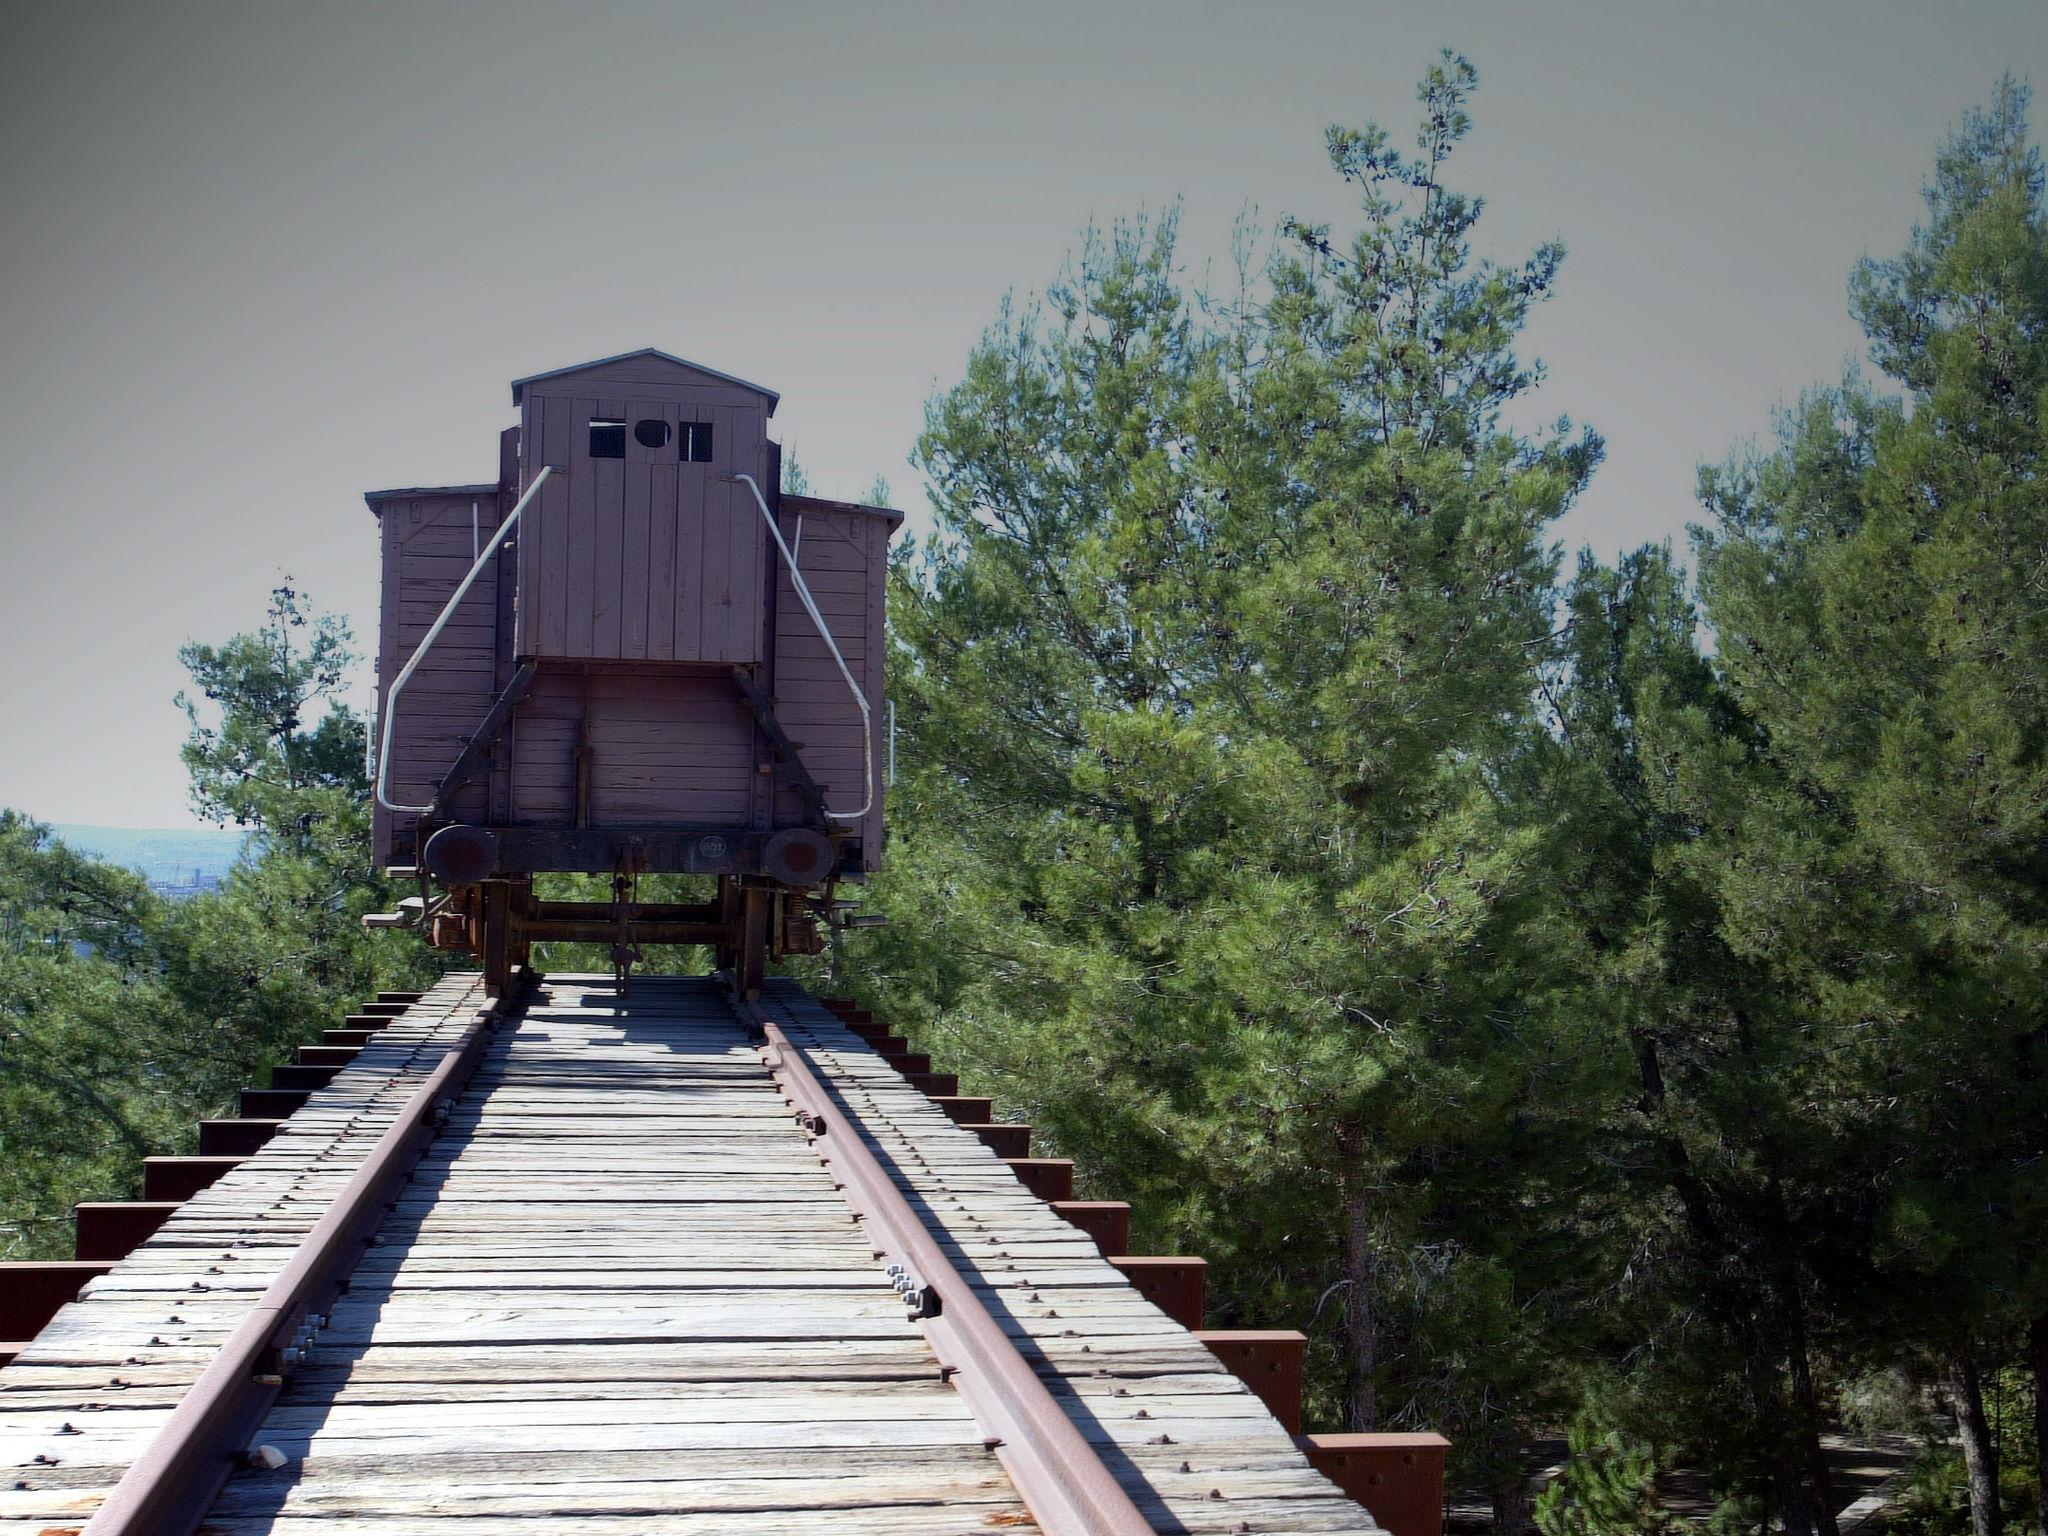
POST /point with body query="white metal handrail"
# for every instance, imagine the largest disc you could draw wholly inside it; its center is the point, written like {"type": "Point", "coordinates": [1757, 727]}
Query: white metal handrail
{"type": "Point", "coordinates": [803, 592]}
{"type": "Point", "coordinates": [405, 673]}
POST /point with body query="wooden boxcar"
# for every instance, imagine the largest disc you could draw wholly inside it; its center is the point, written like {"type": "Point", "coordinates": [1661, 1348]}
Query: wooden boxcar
{"type": "Point", "coordinates": [630, 654]}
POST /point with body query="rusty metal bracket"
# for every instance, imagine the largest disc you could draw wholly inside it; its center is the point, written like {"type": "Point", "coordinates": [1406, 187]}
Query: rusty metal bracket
{"type": "Point", "coordinates": [1067, 1487]}
{"type": "Point", "coordinates": [168, 1489]}
{"type": "Point", "coordinates": [485, 741]}
{"type": "Point", "coordinates": [789, 765]}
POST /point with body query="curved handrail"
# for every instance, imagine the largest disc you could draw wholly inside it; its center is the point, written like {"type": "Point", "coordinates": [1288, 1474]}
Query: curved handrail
{"type": "Point", "coordinates": [390, 712]}
{"type": "Point", "coordinates": [803, 592]}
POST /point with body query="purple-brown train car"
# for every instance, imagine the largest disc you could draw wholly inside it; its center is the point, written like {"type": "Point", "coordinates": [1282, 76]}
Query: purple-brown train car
{"type": "Point", "coordinates": [630, 654]}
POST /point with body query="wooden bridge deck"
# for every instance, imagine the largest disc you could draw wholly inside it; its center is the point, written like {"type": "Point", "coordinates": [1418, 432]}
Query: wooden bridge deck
{"type": "Point", "coordinates": [622, 1294]}
{"type": "Point", "coordinates": [80, 1403]}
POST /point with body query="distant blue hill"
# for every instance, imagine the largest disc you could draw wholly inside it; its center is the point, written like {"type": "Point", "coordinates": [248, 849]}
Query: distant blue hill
{"type": "Point", "coordinates": [171, 856]}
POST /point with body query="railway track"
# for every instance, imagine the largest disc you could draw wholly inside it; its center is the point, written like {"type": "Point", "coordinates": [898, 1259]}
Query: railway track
{"type": "Point", "coordinates": [667, 1262]}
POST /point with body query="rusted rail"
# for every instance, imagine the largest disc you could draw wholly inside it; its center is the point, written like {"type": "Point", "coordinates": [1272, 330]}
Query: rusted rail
{"type": "Point", "coordinates": [1068, 1489]}
{"type": "Point", "coordinates": [1059, 1476]}
{"type": "Point", "coordinates": [168, 1489]}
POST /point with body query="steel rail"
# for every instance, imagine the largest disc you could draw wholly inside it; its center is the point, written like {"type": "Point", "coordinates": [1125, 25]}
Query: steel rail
{"type": "Point", "coordinates": [1065, 1484]}
{"type": "Point", "coordinates": [169, 1488]}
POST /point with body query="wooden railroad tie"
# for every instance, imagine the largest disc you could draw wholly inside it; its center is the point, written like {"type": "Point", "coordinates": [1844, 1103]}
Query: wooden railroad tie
{"type": "Point", "coordinates": [1399, 1478]}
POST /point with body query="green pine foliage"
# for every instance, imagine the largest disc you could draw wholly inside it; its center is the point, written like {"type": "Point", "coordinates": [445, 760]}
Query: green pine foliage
{"type": "Point", "coordinates": [124, 1019]}
{"type": "Point", "coordinates": [84, 1032]}
{"type": "Point", "coordinates": [1608, 1488]}
{"type": "Point", "coordinates": [1493, 996]}
{"type": "Point", "coordinates": [1233, 616]}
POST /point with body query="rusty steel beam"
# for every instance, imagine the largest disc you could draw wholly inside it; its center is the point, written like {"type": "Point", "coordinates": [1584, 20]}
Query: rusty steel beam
{"type": "Point", "coordinates": [964, 1111]}
{"type": "Point", "coordinates": [113, 1229]}
{"type": "Point", "coordinates": [1049, 1178]}
{"type": "Point", "coordinates": [34, 1291]}
{"type": "Point", "coordinates": [1269, 1361]}
{"type": "Point", "coordinates": [1066, 1486]}
{"type": "Point", "coordinates": [548, 930]}
{"type": "Point", "coordinates": [180, 1178]}
{"type": "Point", "coordinates": [170, 1486]}
{"type": "Point", "coordinates": [1171, 1282]}
{"type": "Point", "coordinates": [235, 1138]}
{"type": "Point", "coordinates": [1107, 1221]}
{"type": "Point", "coordinates": [1003, 1140]}
{"type": "Point", "coordinates": [606, 912]}
{"type": "Point", "coordinates": [1399, 1478]}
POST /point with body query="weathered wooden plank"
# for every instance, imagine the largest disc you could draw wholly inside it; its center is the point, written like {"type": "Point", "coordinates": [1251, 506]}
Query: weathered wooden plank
{"type": "Point", "coordinates": [608, 540]}
{"type": "Point", "coordinates": [663, 527]}
{"type": "Point", "coordinates": [699, 1291]}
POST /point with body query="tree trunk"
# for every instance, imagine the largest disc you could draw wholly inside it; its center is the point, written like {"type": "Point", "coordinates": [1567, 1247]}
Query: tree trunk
{"type": "Point", "coordinates": [1511, 1504]}
{"type": "Point", "coordinates": [1795, 1495]}
{"type": "Point", "coordinates": [2037, 1362]}
{"type": "Point", "coordinates": [1361, 1302]}
{"type": "Point", "coordinates": [1816, 1485]}
{"type": "Point", "coordinates": [1803, 1468]}
{"type": "Point", "coordinates": [1980, 1454]}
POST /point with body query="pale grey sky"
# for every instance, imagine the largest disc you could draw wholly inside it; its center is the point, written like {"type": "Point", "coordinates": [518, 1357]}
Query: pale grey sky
{"type": "Point", "coordinates": [256, 258]}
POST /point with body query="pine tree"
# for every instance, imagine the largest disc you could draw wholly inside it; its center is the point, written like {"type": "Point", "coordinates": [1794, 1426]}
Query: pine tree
{"type": "Point", "coordinates": [1233, 610]}
{"type": "Point", "coordinates": [279, 951]}
{"type": "Point", "coordinates": [87, 1038]}
{"type": "Point", "coordinates": [1874, 583]}
{"type": "Point", "coordinates": [1608, 1487]}
{"type": "Point", "coordinates": [1729, 1182]}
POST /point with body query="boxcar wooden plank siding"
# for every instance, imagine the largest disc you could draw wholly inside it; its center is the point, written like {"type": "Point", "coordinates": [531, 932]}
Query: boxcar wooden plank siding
{"type": "Point", "coordinates": [843, 558]}
{"type": "Point", "coordinates": [645, 556]}
{"type": "Point", "coordinates": [636, 579]}
{"type": "Point", "coordinates": [606, 571]}
{"type": "Point", "coordinates": [608, 574]}
{"type": "Point", "coordinates": [113, 1363]}
{"type": "Point", "coordinates": [663, 539]}
{"type": "Point", "coordinates": [430, 540]}
{"type": "Point", "coordinates": [579, 589]}
{"type": "Point", "coordinates": [673, 750]}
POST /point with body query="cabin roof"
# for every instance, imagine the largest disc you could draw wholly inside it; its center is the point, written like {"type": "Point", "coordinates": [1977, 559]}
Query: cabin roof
{"type": "Point", "coordinates": [791, 502]}
{"type": "Point", "coordinates": [519, 385]}
{"type": "Point", "coordinates": [376, 499]}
